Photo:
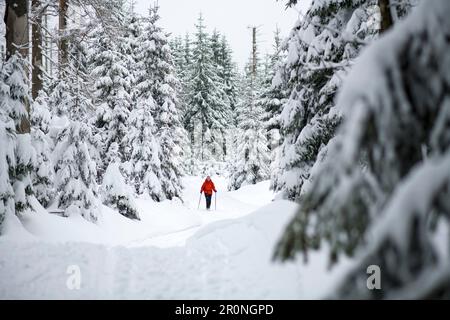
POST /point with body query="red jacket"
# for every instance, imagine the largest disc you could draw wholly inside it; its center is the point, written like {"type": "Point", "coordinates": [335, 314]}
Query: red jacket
{"type": "Point", "coordinates": [208, 187]}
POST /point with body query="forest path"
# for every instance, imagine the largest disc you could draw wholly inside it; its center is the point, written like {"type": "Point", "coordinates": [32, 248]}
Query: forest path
{"type": "Point", "coordinates": [225, 205]}
{"type": "Point", "coordinates": [226, 255]}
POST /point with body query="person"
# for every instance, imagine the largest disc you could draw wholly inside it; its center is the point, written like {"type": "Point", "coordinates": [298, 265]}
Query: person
{"type": "Point", "coordinates": [208, 188]}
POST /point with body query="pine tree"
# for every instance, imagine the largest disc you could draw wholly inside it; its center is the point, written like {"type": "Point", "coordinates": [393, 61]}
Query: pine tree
{"type": "Point", "coordinates": [75, 172]}
{"type": "Point", "coordinates": [129, 48]}
{"type": "Point", "coordinates": [78, 81]}
{"type": "Point", "coordinates": [320, 49]}
{"type": "Point", "coordinates": [177, 49]}
{"type": "Point", "coordinates": [182, 59]}
{"type": "Point", "coordinates": [114, 190]}
{"type": "Point", "coordinates": [208, 108]}
{"type": "Point", "coordinates": [145, 171]}
{"type": "Point", "coordinates": [112, 95]}
{"type": "Point", "coordinates": [19, 156]}
{"type": "Point", "coordinates": [274, 95]}
{"type": "Point", "coordinates": [7, 145]}
{"type": "Point", "coordinates": [229, 73]}
{"type": "Point", "coordinates": [251, 162]}
{"type": "Point", "coordinates": [158, 79]}
{"type": "Point", "coordinates": [216, 51]}
{"type": "Point", "coordinates": [43, 174]}
{"type": "Point", "coordinates": [385, 177]}
{"type": "Point", "coordinates": [69, 94]}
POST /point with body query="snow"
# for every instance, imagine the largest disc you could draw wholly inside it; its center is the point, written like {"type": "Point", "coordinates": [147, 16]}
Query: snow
{"type": "Point", "coordinates": [176, 251]}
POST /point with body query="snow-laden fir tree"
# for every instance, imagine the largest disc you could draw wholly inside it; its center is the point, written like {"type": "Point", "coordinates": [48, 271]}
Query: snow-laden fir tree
{"type": "Point", "coordinates": [320, 49]}
{"type": "Point", "coordinates": [218, 143]}
{"type": "Point", "coordinates": [129, 46]}
{"type": "Point", "coordinates": [112, 94]}
{"type": "Point", "coordinates": [114, 191]}
{"type": "Point", "coordinates": [272, 98]}
{"type": "Point", "coordinates": [76, 172]}
{"type": "Point", "coordinates": [6, 161]}
{"type": "Point", "coordinates": [145, 165]}
{"type": "Point", "coordinates": [228, 72]}
{"type": "Point", "coordinates": [382, 192]}
{"type": "Point", "coordinates": [78, 81]}
{"type": "Point", "coordinates": [274, 93]}
{"type": "Point", "coordinates": [158, 80]}
{"type": "Point", "coordinates": [181, 57]}
{"type": "Point", "coordinates": [229, 76]}
{"type": "Point", "coordinates": [69, 93]}
{"type": "Point", "coordinates": [251, 161]}
{"type": "Point", "coordinates": [215, 45]}
{"type": "Point", "coordinates": [43, 173]}
{"type": "Point", "coordinates": [18, 158]}
{"type": "Point", "coordinates": [7, 145]}
{"type": "Point", "coordinates": [208, 108]}
{"type": "Point", "coordinates": [177, 49]}
{"type": "Point", "coordinates": [60, 97]}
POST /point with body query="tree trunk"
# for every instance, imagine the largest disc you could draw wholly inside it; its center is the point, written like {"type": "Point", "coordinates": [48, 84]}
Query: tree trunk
{"type": "Point", "coordinates": [17, 40]}
{"type": "Point", "coordinates": [62, 44]}
{"type": "Point", "coordinates": [16, 20]}
{"type": "Point", "coordinates": [386, 17]}
{"type": "Point", "coordinates": [36, 55]}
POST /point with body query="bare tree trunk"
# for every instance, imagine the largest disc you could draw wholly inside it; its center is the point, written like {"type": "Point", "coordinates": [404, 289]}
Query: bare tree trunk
{"type": "Point", "coordinates": [36, 55]}
{"type": "Point", "coordinates": [386, 17]}
{"type": "Point", "coordinates": [62, 44]}
{"type": "Point", "coordinates": [16, 20]}
{"type": "Point", "coordinates": [17, 40]}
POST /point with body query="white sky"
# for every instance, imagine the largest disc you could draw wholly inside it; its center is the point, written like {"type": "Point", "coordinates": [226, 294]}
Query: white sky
{"type": "Point", "coordinates": [230, 17]}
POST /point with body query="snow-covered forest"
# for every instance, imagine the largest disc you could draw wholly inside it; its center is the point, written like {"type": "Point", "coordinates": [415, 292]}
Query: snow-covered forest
{"type": "Point", "coordinates": [330, 153]}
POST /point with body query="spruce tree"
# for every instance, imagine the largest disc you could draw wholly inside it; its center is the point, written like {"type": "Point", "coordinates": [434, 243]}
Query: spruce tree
{"type": "Point", "coordinates": [145, 171]}
{"type": "Point", "coordinates": [75, 172]}
{"type": "Point", "coordinates": [177, 49]}
{"type": "Point", "coordinates": [274, 94]}
{"type": "Point", "coordinates": [320, 48]}
{"type": "Point", "coordinates": [251, 162]}
{"type": "Point", "coordinates": [112, 94]}
{"type": "Point", "coordinates": [18, 159]}
{"type": "Point", "coordinates": [382, 190]}
{"type": "Point", "coordinates": [159, 81]}
{"type": "Point", "coordinates": [272, 98]}
{"type": "Point", "coordinates": [43, 173]}
{"type": "Point", "coordinates": [7, 144]}
{"type": "Point", "coordinates": [114, 190]}
{"type": "Point", "coordinates": [208, 108]}
{"type": "Point", "coordinates": [229, 73]}
{"type": "Point", "coordinates": [215, 44]}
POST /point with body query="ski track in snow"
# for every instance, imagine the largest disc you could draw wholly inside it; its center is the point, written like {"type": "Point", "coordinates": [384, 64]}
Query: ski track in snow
{"type": "Point", "coordinates": [226, 256]}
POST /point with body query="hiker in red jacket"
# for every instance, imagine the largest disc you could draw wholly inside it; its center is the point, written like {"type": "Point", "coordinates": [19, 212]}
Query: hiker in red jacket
{"type": "Point", "coordinates": [208, 188]}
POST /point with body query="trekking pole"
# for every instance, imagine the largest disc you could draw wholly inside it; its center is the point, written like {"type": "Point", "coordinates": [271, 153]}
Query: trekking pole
{"type": "Point", "coordinates": [199, 198]}
{"type": "Point", "coordinates": [215, 201]}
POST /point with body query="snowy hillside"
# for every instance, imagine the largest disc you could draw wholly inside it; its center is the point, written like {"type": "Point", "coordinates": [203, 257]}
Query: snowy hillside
{"type": "Point", "coordinates": [175, 251]}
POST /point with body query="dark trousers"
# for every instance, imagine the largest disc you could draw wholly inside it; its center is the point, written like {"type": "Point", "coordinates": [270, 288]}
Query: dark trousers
{"type": "Point", "coordinates": [208, 200]}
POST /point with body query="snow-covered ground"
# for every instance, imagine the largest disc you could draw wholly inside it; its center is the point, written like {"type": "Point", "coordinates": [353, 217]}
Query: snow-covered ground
{"type": "Point", "coordinates": [175, 252]}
